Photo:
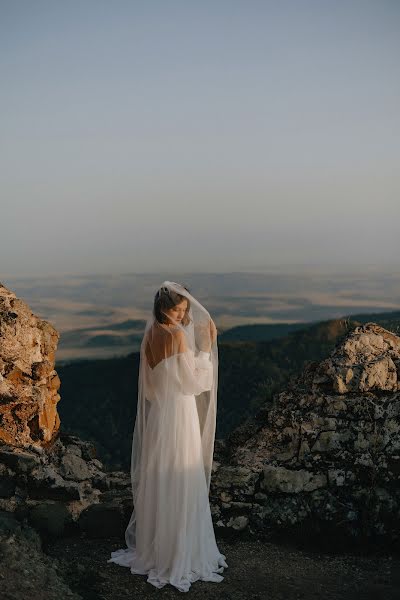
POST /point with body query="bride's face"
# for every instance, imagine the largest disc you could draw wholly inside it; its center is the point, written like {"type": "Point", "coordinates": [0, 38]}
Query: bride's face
{"type": "Point", "coordinates": [177, 312]}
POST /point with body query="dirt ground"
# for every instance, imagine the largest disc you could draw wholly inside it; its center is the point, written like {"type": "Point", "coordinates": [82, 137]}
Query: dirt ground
{"type": "Point", "coordinates": [257, 570]}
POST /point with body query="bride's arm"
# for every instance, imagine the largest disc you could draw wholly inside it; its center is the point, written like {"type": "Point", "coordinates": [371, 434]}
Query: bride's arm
{"type": "Point", "coordinates": [206, 334]}
{"type": "Point", "coordinates": [195, 373]}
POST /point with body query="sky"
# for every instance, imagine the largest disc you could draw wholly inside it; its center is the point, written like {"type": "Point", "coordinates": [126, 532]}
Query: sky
{"type": "Point", "coordinates": [205, 136]}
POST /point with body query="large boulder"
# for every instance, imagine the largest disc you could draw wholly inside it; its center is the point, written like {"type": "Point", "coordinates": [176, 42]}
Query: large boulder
{"type": "Point", "coordinates": [28, 381]}
{"type": "Point", "coordinates": [327, 454]}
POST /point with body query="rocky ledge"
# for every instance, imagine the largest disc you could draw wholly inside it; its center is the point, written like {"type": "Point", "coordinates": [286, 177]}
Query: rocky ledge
{"type": "Point", "coordinates": [63, 488]}
{"type": "Point", "coordinates": [326, 457]}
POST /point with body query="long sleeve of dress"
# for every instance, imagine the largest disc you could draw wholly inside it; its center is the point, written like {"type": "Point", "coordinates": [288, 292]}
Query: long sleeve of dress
{"type": "Point", "coordinates": [195, 372]}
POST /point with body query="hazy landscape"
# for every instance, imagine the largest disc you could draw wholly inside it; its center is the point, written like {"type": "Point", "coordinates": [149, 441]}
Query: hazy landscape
{"type": "Point", "coordinates": [269, 324]}
{"type": "Point", "coordinates": [102, 316]}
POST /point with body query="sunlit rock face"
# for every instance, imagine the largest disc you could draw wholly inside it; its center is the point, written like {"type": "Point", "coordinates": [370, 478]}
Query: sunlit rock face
{"type": "Point", "coordinates": [367, 361]}
{"type": "Point", "coordinates": [28, 382]}
{"type": "Point", "coordinates": [327, 453]}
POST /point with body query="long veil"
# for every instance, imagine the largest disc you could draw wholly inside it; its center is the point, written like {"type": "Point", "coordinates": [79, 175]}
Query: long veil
{"type": "Point", "coordinates": [178, 351]}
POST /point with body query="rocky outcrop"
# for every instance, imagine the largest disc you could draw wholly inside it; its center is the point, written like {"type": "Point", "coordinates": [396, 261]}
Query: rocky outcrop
{"type": "Point", "coordinates": [324, 457]}
{"type": "Point", "coordinates": [28, 382]}
{"type": "Point", "coordinates": [63, 488]}
{"type": "Point", "coordinates": [327, 454]}
{"type": "Point", "coordinates": [49, 479]}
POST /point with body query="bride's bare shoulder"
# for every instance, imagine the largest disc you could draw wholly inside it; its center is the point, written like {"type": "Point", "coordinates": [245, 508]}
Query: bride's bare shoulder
{"type": "Point", "coordinates": [168, 340]}
{"type": "Point", "coordinates": [180, 343]}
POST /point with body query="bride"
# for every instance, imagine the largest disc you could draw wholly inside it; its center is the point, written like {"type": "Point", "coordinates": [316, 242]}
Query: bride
{"type": "Point", "coordinates": [170, 535]}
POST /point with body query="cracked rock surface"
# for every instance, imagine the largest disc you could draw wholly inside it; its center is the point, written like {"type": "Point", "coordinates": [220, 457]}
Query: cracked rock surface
{"type": "Point", "coordinates": [326, 456]}
{"type": "Point", "coordinates": [28, 381]}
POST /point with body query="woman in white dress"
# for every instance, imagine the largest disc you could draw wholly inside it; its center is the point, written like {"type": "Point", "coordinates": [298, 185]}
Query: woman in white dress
{"type": "Point", "coordinates": [170, 535]}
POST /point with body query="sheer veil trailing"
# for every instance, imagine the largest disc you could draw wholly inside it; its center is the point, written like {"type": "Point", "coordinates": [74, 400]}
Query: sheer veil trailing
{"type": "Point", "coordinates": [173, 445]}
{"type": "Point", "coordinates": [181, 341]}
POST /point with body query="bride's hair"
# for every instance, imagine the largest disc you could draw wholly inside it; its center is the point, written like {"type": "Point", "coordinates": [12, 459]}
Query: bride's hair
{"type": "Point", "coordinates": [165, 299]}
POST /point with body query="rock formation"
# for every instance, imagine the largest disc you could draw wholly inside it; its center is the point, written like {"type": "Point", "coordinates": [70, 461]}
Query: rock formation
{"type": "Point", "coordinates": [28, 382]}
{"type": "Point", "coordinates": [48, 479]}
{"type": "Point", "coordinates": [48, 493]}
{"type": "Point", "coordinates": [327, 454]}
{"type": "Point", "coordinates": [63, 488]}
{"type": "Point", "coordinates": [324, 457]}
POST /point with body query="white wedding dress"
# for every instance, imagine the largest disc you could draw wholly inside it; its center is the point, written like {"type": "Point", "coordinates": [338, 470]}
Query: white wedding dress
{"type": "Point", "coordinates": [175, 540]}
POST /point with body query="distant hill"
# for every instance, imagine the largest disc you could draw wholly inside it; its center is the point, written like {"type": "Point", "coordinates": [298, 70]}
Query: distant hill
{"type": "Point", "coordinates": [123, 337]}
{"type": "Point", "coordinates": [98, 397]}
{"type": "Point", "coordinates": [265, 332]}
{"type": "Point", "coordinates": [260, 332]}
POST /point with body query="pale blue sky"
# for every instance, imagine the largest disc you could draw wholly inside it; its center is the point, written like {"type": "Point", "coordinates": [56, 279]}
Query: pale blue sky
{"type": "Point", "coordinates": [209, 136]}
